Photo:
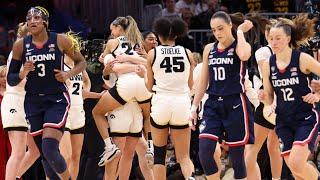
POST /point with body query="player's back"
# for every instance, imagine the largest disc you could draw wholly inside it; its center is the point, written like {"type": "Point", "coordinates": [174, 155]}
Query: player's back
{"type": "Point", "coordinates": [124, 47]}
{"type": "Point", "coordinates": [75, 86]}
{"type": "Point", "coordinates": [46, 58]}
{"type": "Point", "coordinates": [171, 69]}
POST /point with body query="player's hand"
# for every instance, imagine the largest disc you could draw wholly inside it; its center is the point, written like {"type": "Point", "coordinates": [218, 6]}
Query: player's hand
{"type": "Point", "coordinates": [108, 67]}
{"type": "Point", "coordinates": [142, 52]}
{"type": "Point", "coordinates": [101, 58]}
{"type": "Point", "coordinates": [61, 76]}
{"type": "Point", "coordinates": [27, 67]}
{"type": "Point", "coordinates": [310, 98]}
{"type": "Point", "coordinates": [245, 26]}
{"type": "Point", "coordinates": [193, 118]}
{"type": "Point", "coordinates": [122, 58]}
{"type": "Point", "coordinates": [315, 85]}
{"type": "Point", "coordinates": [141, 70]}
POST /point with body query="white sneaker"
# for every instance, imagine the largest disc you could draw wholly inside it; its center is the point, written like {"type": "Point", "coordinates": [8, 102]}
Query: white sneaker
{"type": "Point", "coordinates": [110, 152]}
{"type": "Point", "coordinates": [150, 154]}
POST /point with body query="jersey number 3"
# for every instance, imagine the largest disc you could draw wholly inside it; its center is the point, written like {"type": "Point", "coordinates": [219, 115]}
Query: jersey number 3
{"type": "Point", "coordinates": [42, 70]}
{"type": "Point", "coordinates": [176, 64]}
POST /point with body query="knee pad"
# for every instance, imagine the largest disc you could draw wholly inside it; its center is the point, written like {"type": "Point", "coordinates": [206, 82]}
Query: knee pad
{"type": "Point", "coordinates": [206, 151]}
{"type": "Point", "coordinates": [160, 155]}
{"type": "Point", "coordinates": [50, 173]}
{"type": "Point", "coordinates": [50, 150]}
{"type": "Point", "coordinates": [238, 162]}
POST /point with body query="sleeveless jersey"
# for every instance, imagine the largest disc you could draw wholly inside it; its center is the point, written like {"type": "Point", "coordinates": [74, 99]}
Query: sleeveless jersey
{"type": "Point", "coordinates": [75, 88]}
{"type": "Point", "coordinates": [47, 58]}
{"type": "Point", "coordinates": [171, 69]}
{"type": "Point", "coordinates": [226, 71]}
{"type": "Point", "coordinates": [289, 86]}
{"type": "Point", "coordinates": [124, 46]}
{"type": "Point", "coordinates": [18, 89]}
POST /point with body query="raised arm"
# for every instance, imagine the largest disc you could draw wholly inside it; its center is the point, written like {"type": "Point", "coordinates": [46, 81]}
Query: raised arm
{"type": "Point", "coordinates": [243, 48]}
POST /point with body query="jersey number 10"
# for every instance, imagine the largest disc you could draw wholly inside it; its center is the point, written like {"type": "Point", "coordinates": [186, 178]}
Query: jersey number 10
{"type": "Point", "coordinates": [175, 64]}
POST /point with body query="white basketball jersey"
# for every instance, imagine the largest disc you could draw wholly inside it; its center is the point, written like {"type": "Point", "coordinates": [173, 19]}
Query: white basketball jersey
{"type": "Point", "coordinates": [171, 69]}
{"type": "Point", "coordinates": [18, 89]}
{"type": "Point", "coordinates": [124, 46]}
{"type": "Point", "coordinates": [75, 86]}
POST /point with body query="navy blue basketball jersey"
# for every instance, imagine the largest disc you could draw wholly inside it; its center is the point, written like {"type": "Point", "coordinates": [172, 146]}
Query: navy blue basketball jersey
{"type": "Point", "coordinates": [46, 58]}
{"type": "Point", "coordinates": [289, 85]}
{"type": "Point", "coordinates": [226, 71]}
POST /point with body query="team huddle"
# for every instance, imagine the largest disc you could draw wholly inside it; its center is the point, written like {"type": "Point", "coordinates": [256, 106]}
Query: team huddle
{"type": "Point", "coordinates": [150, 95]}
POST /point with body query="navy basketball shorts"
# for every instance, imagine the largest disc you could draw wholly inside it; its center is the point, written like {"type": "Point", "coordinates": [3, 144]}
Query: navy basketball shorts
{"type": "Point", "coordinates": [46, 111]}
{"type": "Point", "coordinates": [298, 129]}
{"type": "Point", "coordinates": [229, 118]}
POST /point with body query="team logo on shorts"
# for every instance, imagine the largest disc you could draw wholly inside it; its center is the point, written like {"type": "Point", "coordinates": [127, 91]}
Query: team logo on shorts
{"type": "Point", "coordinates": [202, 126]}
{"type": "Point", "coordinates": [112, 116]}
{"type": "Point", "coordinates": [12, 111]}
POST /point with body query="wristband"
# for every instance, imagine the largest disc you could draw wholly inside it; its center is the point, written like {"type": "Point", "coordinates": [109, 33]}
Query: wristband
{"type": "Point", "coordinates": [239, 31]}
{"type": "Point", "coordinates": [194, 108]}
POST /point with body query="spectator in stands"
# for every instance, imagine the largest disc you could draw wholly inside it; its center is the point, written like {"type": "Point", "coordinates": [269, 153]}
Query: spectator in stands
{"type": "Point", "coordinates": [185, 5]}
{"type": "Point", "coordinates": [169, 10]}
{"type": "Point", "coordinates": [202, 20]}
{"type": "Point", "coordinates": [201, 6]}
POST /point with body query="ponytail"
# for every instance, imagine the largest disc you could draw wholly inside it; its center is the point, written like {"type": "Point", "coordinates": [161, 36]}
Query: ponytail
{"type": "Point", "coordinates": [300, 29]}
{"type": "Point", "coordinates": [132, 31]}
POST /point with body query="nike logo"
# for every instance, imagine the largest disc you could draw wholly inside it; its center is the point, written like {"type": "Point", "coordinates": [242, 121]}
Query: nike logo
{"type": "Point", "coordinates": [306, 118]}
{"type": "Point", "coordinates": [235, 107]}
{"type": "Point", "coordinates": [273, 74]}
{"type": "Point", "coordinates": [29, 50]}
{"type": "Point", "coordinates": [59, 100]}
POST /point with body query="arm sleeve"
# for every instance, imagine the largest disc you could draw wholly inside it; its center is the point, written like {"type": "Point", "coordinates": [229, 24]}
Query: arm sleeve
{"type": "Point", "coordinates": [13, 72]}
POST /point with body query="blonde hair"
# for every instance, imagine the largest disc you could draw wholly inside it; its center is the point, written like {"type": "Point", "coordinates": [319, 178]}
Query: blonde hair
{"type": "Point", "coordinates": [75, 40]}
{"type": "Point", "coordinates": [130, 28]}
{"type": "Point", "coordinates": [22, 30]}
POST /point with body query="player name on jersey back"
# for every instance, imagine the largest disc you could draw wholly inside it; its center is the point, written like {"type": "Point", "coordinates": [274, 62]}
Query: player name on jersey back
{"type": "Point", "coordinates": [172, 50]}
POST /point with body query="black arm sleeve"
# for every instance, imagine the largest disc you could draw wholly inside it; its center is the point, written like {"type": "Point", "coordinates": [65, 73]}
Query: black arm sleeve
{"type": "Point", "coordinates": [13, 72]}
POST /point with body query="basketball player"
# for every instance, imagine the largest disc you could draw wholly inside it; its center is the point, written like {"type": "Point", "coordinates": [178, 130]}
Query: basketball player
{"type": "Point", "coordinates": [263, 129]}
{"type": "Point", "coordinates": [288, 75]}
{"type": "Point", "coordinates": [171, 67]}
{"type": "Point", "coordinates": [13, 119]}
{"type": "Point", "coordinates": [47, 100]}
{"type": "Point", "coordinates": [227, 112]}
{"type": "Point", "coordinates": [129, 85]}
{"type": "Point", "coordinates": [72, 139]}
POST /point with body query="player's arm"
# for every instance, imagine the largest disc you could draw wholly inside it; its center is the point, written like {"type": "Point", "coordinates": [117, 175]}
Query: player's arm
{"type": "Point", "coordinates": [268, 93]}
{"type": "Point", "coordinates": [134, 59]}
{"type": "Point", "coordinates": [110, 46]}
{"type": "Point", "coordinates": [308, 64]}
{"type": "Point", "coordinates": [65, 44]}
{"type": "Point", "coordinates": [149, 79]}
{"type": "Point", "coordinates": [15, 76]}
{"type": "Point", "coordinates": [204, 78]}
{"type": "Point", "coordinates": [243, 48]}
{"type": "Point", "coordinates": [86, 81]}
{"type": "Point", "coordinates": [192, 66]}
